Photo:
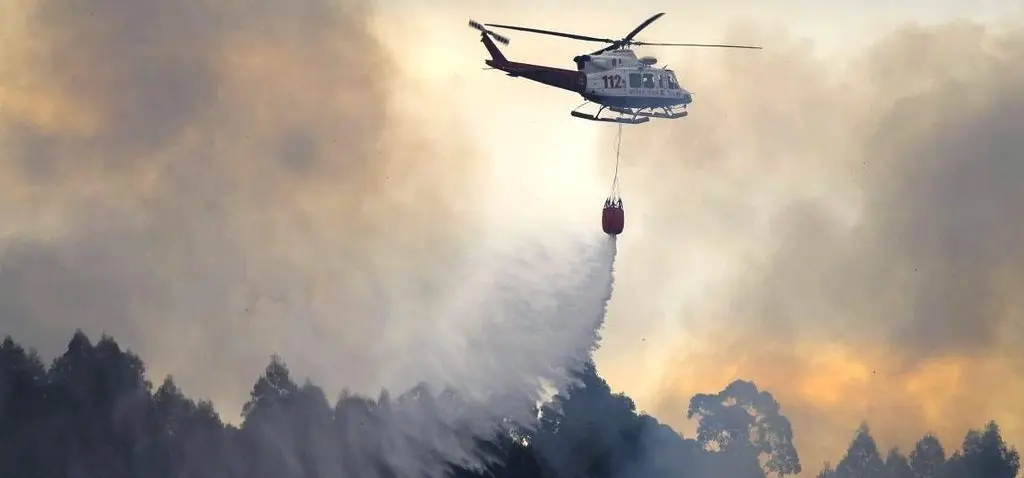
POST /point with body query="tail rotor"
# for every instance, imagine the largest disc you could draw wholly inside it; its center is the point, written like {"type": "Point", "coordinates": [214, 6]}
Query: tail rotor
{"type": "Point", "coordinates": [497, 37]}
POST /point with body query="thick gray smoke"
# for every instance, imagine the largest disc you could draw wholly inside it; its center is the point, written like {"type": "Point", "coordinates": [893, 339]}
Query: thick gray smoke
{"type": "Point", "coordinates": [214, 182]}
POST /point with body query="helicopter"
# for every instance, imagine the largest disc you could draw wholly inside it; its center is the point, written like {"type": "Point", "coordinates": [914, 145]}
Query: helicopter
{"type": "Point", "coordinates": [612, 77]}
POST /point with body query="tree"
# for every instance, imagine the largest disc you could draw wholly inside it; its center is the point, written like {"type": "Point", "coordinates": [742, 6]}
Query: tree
{"type": "Point", "coordinates": [190, 437]}
{"type": "Point", "coordinates": [743, 424]}
{"type": "Point", "coordinates": [316, 441]}
{"type": "Point", "coordinates": [268, 432]}
{"type": "Point", "coordinates": [273, 391]}
{"type": "Point", "coordinates": [985, 454]}
{"type": "Point", "coordinates": [588, 429]}
{"type": "Point", "coordinates": [862, 459]}
{"type": "Point", "coordinates": [665, 453]}
{"type": "Point", "coordinates": [22, 405]}
{"type": "Point", "coordinates": [92, 413]}
{"type": "Point", "coordinates": [928, 460]}
{"type": "Point", "coordinates": [591, 432]}
{"type": "Point", "coordinates": [101, 393]}
{"type": "Point", "coordinates": [897, 465]}
{"type": "Point", "coordinates": [359, 422]}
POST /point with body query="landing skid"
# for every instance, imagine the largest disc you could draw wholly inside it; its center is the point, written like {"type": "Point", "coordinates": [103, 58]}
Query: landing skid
{"type": "Point", "coordinates": [617, 119]}
{"type": "Point", "coordinates": [630, 115]}
{"type": "Point", "coordinates": [666, 112]}
{"type": "Point", "coordinates": [623, 118]}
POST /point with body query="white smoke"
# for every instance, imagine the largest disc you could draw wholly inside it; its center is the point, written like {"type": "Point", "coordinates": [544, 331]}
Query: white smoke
{"type": "Point", "coordinates": [515, 328]}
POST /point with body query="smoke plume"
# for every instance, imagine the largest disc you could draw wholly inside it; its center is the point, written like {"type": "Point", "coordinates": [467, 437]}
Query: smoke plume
{"type": "Point", "coordinates": [179, 171]}
{"type": "Point", "coordinates": [863, 211]}
{"type": "Point", "coordinates": [213, 182]}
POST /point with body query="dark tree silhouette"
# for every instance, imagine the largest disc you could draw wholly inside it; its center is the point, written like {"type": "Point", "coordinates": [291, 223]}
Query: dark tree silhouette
{"type": "Point", "coordinates": [862, 459]}
{"type": "Point", "coordinates": [984, 453]}
{"type": "Point", "coordinates": [589, 430]}
{"type": "Point", "coordinates": [23, 410]}
{"type": "Point", "coordinates": [93, 412]}
{"type": "Point", "coordinates": [741, 424]}
{"type": "Point", "coordinates": [928, 460]}
{"type": "Point", "coordinates": [897, 465]}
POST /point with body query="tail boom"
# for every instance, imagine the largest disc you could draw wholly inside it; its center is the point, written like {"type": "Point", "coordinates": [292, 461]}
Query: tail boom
{"type": "Point", "coordinates": [570, 80]}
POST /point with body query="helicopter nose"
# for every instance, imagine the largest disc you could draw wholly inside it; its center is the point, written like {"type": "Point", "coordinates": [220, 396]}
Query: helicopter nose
{"type": "Point", "coordinates": [687, 98]}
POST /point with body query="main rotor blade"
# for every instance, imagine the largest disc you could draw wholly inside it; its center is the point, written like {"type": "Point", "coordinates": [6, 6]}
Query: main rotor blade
{"type": "Point", "coordinates": [643, 25]}
{"type": "Point", "coordinates": [628, 39]}
{"type": "Point", "coordinates": [711, 45]}
{"type": "Point", "coordinates": [549, 32]}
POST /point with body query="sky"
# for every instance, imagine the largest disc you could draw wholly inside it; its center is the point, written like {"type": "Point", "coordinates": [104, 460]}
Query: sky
{"type": "Point", "coordinates": [831, 221]}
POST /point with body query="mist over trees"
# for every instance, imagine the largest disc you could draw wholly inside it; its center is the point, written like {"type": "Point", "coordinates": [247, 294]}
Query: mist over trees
{"type": "Point", "coordinates": [93, 413]}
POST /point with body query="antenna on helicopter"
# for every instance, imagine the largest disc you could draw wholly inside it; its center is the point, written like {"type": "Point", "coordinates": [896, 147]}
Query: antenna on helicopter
{"type": "Point", "coordinates": [499, 38]}
{"type": "Point", "coordinates": [614, 44]}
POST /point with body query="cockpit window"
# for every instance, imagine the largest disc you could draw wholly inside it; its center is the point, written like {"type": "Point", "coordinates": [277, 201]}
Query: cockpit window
{"type": "Point", "coordinates": [648, 80]}
{"type": "Point", "coordinates": [672, 84]}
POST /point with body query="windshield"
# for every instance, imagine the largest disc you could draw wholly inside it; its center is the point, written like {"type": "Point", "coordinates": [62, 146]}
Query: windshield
{"type": "Point", "coordinates": [671, 80]}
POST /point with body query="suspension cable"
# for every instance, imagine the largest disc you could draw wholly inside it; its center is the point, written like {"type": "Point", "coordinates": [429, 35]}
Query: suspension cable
{"type": "Point", "coordinates": [615, 180]}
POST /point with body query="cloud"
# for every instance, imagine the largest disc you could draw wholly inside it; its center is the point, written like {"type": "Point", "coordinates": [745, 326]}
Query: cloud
{"type": "Point", "coordinates": [870, 206]}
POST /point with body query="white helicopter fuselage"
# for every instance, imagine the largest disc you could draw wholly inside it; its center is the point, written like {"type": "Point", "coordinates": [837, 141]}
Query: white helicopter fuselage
{"type": "Point", "coordinates": [612, 77]}
{"type": "Point", "coordinates": [619, 78]}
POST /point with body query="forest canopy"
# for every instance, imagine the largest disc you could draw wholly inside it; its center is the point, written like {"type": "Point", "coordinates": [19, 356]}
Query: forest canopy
{"type": "Point", "coordinates": [94, 412]}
